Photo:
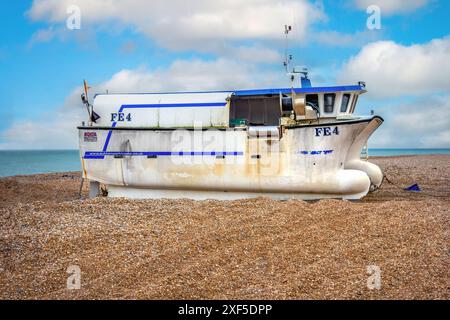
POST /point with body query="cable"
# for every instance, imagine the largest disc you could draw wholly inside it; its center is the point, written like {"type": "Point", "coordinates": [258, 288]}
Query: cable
{"type": "Point", "coordinates": [419, 192]}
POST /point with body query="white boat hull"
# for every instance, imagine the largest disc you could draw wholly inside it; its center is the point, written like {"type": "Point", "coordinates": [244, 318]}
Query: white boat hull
{"type": "Point", "coordinates": [306, 162]}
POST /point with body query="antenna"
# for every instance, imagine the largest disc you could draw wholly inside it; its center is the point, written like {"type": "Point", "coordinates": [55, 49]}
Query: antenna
{"type": "Point", "coordinates": [296, 72]}
{"type": "Point", "coordinates": [287, 56]}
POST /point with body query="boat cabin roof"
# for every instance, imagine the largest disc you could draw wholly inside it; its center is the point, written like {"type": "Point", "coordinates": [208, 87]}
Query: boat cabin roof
{"type": "Point", "coordinates": [258, 92]}
{"type": "Point", "coordinates": [262, 92]}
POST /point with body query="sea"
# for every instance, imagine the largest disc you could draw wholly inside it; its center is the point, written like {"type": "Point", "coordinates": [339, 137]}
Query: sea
{"type": "Point", "coordinates": [26, 162]}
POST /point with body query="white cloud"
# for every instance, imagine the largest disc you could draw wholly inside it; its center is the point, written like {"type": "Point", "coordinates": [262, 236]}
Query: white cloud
{"type": "Point", "coordinates": [42, 35]}
{"type": "Point", "coordinates": [339, 39]}
{"type": "Point", "coordinates": [390, 7]}
{"type": "Point", "coordinates": [53, 130]}
{"type": "Point", "coordinates": [192, 75]}
{"type": "Point", "coordinates": [57, 130]}
{"type": "Point", "coordinates": [184, 24]}
{"type": "Point", "coordinates": [85, 39]}
{"type": "Point", "coordinates": [390, 69]}
{"type": "Point", "coordinates": [256, 54]}
{"type": "Point", "coordinates": [424, 123]}
{"type": "Point", "coordinates": [128, 47]}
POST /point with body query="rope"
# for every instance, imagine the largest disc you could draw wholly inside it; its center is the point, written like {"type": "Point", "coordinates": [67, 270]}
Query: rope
{"type": "Point", "coordinates": [389, 181]}
{"type": "Point", "coordinates": [416, 192]}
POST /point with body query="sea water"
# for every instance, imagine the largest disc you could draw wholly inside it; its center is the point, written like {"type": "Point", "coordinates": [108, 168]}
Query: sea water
{"type": "Point", "coordinates": [47, 161]}
{"type": "Point", "coordinates": [38, 161]}
{"type": "Point", "coordinates": [404, 152]}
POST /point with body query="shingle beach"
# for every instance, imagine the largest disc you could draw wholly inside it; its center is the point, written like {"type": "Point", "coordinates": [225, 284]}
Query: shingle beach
{"type": "Point", "coordinates": [246, 249]}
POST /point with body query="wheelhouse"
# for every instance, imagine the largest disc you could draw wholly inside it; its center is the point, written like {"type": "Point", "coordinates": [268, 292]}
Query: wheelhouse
{"type": "Point", "coordinates": [269, 107]}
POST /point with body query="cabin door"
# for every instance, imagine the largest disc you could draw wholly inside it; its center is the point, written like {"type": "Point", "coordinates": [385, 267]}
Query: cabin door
{"type": "Point", "coordinates": [264, 150]}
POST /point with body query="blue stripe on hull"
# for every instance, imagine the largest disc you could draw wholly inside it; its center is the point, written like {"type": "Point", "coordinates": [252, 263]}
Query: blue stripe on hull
{"type": "Point", "coordinates": [101, 155]}
{"type": "Point", "coordinates": [173, 105]}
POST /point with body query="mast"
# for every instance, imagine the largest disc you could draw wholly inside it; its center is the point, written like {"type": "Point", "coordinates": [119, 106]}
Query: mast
{"type": "Point", "coordinates": [287, 56]}
{"type": "Point", "coordinates": [301, 72]}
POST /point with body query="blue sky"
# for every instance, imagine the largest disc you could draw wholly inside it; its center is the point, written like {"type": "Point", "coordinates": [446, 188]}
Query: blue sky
{"type": "Point", "coordinates": [168, 45]}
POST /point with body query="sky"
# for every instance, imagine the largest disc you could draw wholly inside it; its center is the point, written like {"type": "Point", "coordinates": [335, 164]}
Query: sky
{"type": "Point", "coordinates": [163, 45]}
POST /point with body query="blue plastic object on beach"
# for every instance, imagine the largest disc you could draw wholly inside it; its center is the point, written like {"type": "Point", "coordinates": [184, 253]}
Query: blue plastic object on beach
{"type": "Point", "coordinates": [414, 187]}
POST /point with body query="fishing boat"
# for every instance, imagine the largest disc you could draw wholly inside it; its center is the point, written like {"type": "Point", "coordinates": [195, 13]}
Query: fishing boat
{"type": "Point", "coordinates": [298, 142]}
{"type": "Point", "coordinates": [284, 143]}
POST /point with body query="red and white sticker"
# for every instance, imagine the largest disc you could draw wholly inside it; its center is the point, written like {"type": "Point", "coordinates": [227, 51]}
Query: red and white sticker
{"type": "Point", "coordinates": [90, 137]}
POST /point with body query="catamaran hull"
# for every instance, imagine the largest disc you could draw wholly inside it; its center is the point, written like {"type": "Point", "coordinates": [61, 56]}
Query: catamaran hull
{"type": "Point", "coordinates": [305, 162]}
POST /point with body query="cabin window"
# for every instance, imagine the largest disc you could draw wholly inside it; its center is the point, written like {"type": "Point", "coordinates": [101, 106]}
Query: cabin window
{"type": "Point", "coordinates": [345, 101]}
{"type": "Point", "coordinates": [312, 100]}
{"type": "Point", "coordinates": [329, 99]}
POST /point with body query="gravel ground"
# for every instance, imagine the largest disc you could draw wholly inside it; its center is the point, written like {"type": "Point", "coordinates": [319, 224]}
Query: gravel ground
{"type": "Point", "coordinates": [247, 249]}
